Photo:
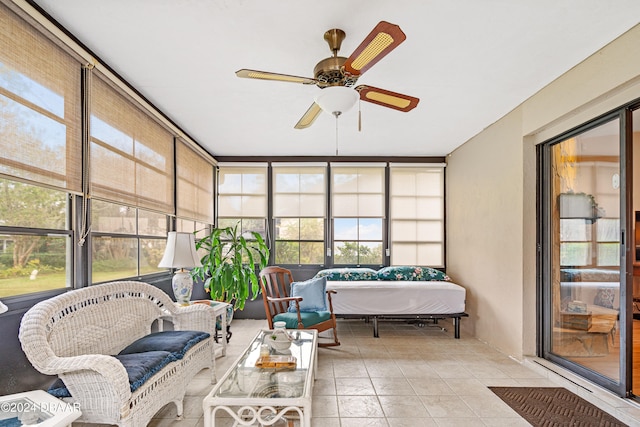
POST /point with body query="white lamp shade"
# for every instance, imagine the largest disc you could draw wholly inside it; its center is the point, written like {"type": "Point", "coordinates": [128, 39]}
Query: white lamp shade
{"type": "Point", "coordinates": [337, 99]}
{"type": "Point", "coordinates": [180, 251]}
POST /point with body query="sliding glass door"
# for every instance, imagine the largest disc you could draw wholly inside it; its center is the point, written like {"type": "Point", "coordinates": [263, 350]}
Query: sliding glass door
{"type": "Point", "coordinates": [584, 261]}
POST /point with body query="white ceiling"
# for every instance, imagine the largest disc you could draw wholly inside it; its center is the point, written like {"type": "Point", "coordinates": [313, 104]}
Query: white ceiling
{"type": "Point", "coordinates": [469, 61]}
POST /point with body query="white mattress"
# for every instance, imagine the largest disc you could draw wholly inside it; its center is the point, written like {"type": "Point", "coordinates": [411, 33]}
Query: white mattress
{"type": "Point", "coordinates": [378, 297]}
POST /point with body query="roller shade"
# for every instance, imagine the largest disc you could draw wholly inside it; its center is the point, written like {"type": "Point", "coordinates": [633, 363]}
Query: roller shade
{"type": "Point", "coordinates": [40, 107]}
{"type": "Point", "coordinates": [195, 184]}
{"type": "Point", "coordinates": [131, 154]}
{"type": "Point", "coordinates": [299, 192]}
{"type": "Point", "coordinates": [417, 215]}
{"type": "Point", "coordinates": [242, 191]}
{"type": "Point", "coordinates": [357, 191]}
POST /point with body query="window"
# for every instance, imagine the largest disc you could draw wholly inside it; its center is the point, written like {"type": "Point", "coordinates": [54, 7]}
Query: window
{"type": "Point", "coordinates": [125, 241]}
{"type": "Point", "coordinates": [132, 182]}
{"type": "Point", "coordinates": [417, 215]}
{"type": "Point", "coordinates": [35, 240]}
{"type": "Point", "coordinates": [40, 160]}
{"type": "Point", "coordinates": [357, 205]}
{"type": "Point", "coordinates": [131, 157]}
{"type": "Point", "coordinates": [575, 242]}
{"type": "Point", "coordinates": [242, 197]}
{"type": "Point", "coordinates": [608, 243]}
{"type": "Point", "coordinates": [299, 211]}
{"type": "Point", "coordinates": [588, 207]}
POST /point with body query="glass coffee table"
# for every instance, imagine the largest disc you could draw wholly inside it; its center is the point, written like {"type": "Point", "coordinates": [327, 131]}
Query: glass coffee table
{"type": "Point", "coordinates": [267, 391]}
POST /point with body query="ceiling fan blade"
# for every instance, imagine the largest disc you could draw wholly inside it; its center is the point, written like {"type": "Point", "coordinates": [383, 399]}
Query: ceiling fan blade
{"type": "Point", "coordinates": [265, 75]}
{"type": "Point", "coordinates": [383, 39]}
{"type": "Point", "coordinates": [386, 98]}
{"type": "Point", "coordinates": [309, 117]}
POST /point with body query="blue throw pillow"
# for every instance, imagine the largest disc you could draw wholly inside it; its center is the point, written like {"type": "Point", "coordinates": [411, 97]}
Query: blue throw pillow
{"type": "Point", "coordinates": [313, 293]}
{"type": "Point", "coordinates": [175, 342]}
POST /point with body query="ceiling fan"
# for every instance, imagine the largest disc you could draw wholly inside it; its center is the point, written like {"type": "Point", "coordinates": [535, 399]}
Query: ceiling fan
{"type": "Point", "coordinates": [341, 73]}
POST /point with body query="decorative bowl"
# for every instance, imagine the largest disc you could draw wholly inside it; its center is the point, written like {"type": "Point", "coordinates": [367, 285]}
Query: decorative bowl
{"type": "Point", "coordinates": [279, 340]}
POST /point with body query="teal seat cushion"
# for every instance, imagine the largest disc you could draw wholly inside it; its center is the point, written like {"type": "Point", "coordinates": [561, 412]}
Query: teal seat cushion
{"type": "Point", "coordinates": [139, 366]}
{"type": "Point", "coordinates": [175, 342]}
{"type": "Point", "coordinates": [309, 318]}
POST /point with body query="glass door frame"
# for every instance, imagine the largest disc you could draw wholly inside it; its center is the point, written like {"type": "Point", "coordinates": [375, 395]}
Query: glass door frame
{"type": "Point", "coordinates": [545, 242]}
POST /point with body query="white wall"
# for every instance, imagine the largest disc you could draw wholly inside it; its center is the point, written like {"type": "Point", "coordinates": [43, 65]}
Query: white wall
{"type": "Point", "coordinates": [491, 192]}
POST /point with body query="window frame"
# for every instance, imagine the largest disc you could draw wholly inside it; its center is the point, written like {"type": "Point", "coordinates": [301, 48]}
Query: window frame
{"type": "Point", "coordinates": [383, 191]}
{"type": "Point", "coordinates": [312, 169]}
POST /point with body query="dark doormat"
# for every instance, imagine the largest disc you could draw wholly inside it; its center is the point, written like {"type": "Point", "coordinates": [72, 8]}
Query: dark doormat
{"type": "Point", "coordinates": [554, 406]}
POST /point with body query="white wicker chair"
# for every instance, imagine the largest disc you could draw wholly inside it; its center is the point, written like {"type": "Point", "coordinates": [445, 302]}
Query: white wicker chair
{"type": "Point", "coordinates": [73, 335]}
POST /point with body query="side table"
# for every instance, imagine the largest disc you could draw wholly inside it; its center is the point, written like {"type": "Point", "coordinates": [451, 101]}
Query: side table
{"type": "Point", "coordinates": [37, 408]}
{"type": "Point", "coordinates": [220, 310]}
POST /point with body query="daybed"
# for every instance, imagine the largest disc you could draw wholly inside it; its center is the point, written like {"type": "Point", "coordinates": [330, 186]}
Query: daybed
{"type": "Point", "coordinates": [98, 341]}
{"type": "Point", "coordinates": [397, 292]}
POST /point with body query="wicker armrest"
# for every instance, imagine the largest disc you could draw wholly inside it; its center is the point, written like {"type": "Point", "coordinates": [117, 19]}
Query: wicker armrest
{"type": "Point", "coordinates": [107, 367]}
{"type": "Point", "coordinates": [196, 317]}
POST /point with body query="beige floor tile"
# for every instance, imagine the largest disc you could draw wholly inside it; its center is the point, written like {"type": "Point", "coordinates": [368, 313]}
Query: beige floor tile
{"type": "Point", "coordinates": [459, 422]}
{"type": "Point", "coordinates": [500, 382]}
{"type": "Point", "coordinates": [519, 372]}
{"type": "Point", "coordinates": [429, 386]}
{"type": "Point", "coordinates": [417, 369]}
{"type": "Point", "coordinates": [390, 386]}
{"type": "Point", "coordinates": [486, 370]}
{"type": "Point", "coordinates": [364, 422]}
{"type": "Point", "coordinates": [489, 406]}
{"type": "Point", "coordinates": [192, 409]}
{"type": "Point", "coordinates": [325, 406]}
{"type": "Point", "coordinates": [382, 368]}
{"type": "Point", "coordinates": [447, 407]}
{"type": "Point", "coordinates": [350, 369]}
{"type": "Point", "coordinates": [403, 406]}
{"type": "Point", "coordinates": [535, 382]}
{"type": "Point", "coordinates": [410, 376]}
{"type": "Point", "coordinates": [354, 387]}
{"type": "Point", "coordinates": [324, 387]}
{"type": "Point", "coordinates": [325, 422]}
{"type": "Point", "coordinates": [450, 371]}
{"type": "Point", "coordinates": [359, 407]}
{"type": "Point", "coordinates": [167, 422]}
{"type": "Point", "coordinates": [411, 422]}
{"type": "Point", "coordinates": [467, 386]}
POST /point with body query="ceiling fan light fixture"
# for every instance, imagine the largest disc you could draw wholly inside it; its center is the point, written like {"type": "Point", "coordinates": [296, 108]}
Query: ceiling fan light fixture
{"type": "Point", "coordinates": [337, 99]}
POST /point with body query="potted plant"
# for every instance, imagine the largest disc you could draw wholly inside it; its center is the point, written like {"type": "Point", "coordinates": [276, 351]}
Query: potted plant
{"type": "Point", "coordinates": [229, 264]}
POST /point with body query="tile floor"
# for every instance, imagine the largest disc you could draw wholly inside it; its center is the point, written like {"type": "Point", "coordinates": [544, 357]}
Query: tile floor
{"type": "Point", "coordinates": [410, 376]}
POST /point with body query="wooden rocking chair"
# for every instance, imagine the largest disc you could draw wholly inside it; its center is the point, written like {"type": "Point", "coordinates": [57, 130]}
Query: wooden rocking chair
{"type": "Point", "coordinates": [274, 283]}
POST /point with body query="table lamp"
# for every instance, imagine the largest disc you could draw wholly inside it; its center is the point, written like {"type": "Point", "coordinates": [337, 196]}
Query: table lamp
{"type": "Point", "coordinates": [180, 253]}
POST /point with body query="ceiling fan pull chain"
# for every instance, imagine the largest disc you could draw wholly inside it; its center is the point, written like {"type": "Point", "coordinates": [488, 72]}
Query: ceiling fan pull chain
{"type": "Point", "coordinates": [336, 113]}
{"type": "Point", "coordinates": [359, 116]}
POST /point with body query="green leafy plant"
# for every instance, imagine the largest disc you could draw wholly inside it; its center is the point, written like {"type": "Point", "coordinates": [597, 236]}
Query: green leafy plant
{"type": "Point", "coordinates": [229, 264]}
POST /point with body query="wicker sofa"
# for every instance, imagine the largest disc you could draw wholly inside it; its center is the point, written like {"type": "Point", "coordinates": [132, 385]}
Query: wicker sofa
{"type": "Point", "coordinates": [94, 340]}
